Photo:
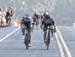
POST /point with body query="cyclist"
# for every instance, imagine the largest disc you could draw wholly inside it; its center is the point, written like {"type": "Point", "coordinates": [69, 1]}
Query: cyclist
{"type": "Point", "coordinates": [27, 24]}
{"type": "Point", "coordinates": [47, 21]}
{"type": "Point", "coordinates": [22, 26]}
{"type": "Point", "coordinates": [36, 17]}
{"type": "Point", "coordinates": [42, 16]}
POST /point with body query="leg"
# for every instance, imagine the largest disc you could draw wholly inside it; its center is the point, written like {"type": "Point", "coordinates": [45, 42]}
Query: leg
{"type": "Point", "coordinates": [6, 21]}
{"type": "Point", "coordinates": [23, 30]}
{"type": "Point", "coordinates": [9, 21]}
{"type": "Point", "coordinates": [45, 32]}
{"type": "Point", "coordinates": [49, 33]}
{"type": "Point", "coordinates": [45, 36]}
{"type": "Point", "coordinates": [29, 36]}
{"type": "Point", "coordinates": [52, 32]}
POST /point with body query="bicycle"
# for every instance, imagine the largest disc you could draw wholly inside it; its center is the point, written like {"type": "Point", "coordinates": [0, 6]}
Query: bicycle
{"type": "Point", "coordinates": [26, 39]}
{"type": "Point", "coordinates": [48, 37]}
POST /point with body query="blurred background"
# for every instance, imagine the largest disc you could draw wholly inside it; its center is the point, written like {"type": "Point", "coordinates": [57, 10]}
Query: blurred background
{"type": "Point", "coordinates": [62, 11]}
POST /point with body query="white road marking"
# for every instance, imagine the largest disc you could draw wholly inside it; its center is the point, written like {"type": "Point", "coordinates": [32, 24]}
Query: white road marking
{"type": "Point", "coordinates": [59, 45]}
{"type": "Point", "coordinates": [64, 44]}
{"type": "Point", "coordinates": [9, 34]}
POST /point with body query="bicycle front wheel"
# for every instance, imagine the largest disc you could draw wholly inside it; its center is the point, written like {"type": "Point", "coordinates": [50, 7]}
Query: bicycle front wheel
{"type": "Point", "coordinates": [48, 40]}
{"type": "Point", "coordinates": [26, 41]}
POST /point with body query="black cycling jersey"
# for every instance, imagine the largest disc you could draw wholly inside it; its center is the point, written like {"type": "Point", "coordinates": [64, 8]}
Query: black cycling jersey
{"type": "Point", "coordinates": [27, 22]}
{"type": "Point", "coordinates": [47, 20]}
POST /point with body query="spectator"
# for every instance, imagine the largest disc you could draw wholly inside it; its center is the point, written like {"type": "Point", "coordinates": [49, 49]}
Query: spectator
{"type": "Point", "coordinates": [9, 14]}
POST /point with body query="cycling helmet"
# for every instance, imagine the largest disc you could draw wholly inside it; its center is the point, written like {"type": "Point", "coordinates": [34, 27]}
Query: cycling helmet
{"type": "Point", "coordinates": [37, 13]}
{"type": "Point", "coordinates": [46, 13]}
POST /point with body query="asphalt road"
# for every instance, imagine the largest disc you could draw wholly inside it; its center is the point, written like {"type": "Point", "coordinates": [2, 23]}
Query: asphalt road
{"type": "Point", "coordinates": [6, 30]}
{"type": "Point", "coordinates": [13, 46]}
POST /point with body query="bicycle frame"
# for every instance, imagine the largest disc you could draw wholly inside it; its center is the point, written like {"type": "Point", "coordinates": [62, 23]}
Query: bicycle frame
{"type": "Point", "coordinates": [48, 38]}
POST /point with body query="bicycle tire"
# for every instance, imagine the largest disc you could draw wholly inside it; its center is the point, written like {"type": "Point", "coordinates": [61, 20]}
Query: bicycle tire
{"type": "Point", "coordinates": [26, 42]}
{"type": "Point", "coordinates": [47, 43]}
{"type": "Point", "coordinates": [48, 40]}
